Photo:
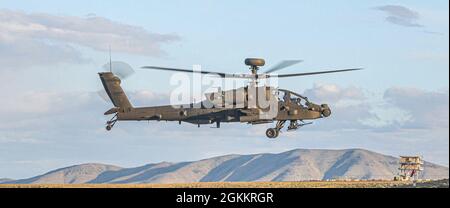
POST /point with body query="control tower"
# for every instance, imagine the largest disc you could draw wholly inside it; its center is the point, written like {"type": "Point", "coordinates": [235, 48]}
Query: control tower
{"type": "Point", "coordinates": [410, 168]}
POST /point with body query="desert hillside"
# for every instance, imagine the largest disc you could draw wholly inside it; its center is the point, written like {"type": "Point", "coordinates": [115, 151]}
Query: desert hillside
{"type": "Point", "coordinates": [295, 165]}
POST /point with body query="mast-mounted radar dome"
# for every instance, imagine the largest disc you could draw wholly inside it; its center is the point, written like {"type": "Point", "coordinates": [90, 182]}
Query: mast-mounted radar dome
{"type": "Point", "coordinates": [255, 62]}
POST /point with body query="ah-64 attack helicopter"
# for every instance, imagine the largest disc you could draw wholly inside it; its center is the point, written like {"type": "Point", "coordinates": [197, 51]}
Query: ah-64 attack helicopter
{"type": "Point", "coordinates": [237, 105]}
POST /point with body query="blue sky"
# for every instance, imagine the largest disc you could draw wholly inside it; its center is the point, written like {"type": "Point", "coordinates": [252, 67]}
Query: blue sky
{"type": "Point", "coordinates": [53, 117]}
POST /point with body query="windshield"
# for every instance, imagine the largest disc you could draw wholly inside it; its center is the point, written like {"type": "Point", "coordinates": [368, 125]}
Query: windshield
{"type": "Point", "coordinates": [292, 97]}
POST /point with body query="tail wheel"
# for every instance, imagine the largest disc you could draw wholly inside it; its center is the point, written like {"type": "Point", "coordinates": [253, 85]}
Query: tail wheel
{"type": "Point", "coordinates": [110, 124]}
{"type": "Point", "coordinates": [271, 133]}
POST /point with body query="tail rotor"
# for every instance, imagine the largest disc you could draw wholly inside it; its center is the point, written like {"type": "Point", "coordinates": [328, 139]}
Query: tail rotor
{"type": "Point", "coordinates": [119, 69]}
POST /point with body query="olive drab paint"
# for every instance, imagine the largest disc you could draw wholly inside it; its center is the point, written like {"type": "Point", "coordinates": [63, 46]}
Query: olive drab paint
{"type": "Point", "coordinates": [251, 104]}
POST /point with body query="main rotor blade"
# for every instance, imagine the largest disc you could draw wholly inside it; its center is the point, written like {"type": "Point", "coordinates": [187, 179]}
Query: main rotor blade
{"type": "Point", "coordinates": [222, 75]}
{"type": "Point", "coordinates": [183, 70]}
{"type": "Point", "coordinates": [282, 65]}
{"type": "Point", "coordinates": [312, 73]}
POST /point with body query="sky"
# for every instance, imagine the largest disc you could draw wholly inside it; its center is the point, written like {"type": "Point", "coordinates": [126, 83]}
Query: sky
{"type": "Point", "coordinates": [50, 52]}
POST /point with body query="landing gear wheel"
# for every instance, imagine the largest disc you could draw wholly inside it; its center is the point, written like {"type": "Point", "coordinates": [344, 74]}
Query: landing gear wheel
{"type": "Point", "coordinates": [272, 133]}
{"type": "Point", "coordinates": [110, 124]}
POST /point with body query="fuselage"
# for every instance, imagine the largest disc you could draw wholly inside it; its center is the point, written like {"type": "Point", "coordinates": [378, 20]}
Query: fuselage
{"type": "Point", "coordinates": [250, 104]}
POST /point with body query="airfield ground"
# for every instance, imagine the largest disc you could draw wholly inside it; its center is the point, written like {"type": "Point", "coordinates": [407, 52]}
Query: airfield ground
{"type": "Point", "coordinates": [301, 184]}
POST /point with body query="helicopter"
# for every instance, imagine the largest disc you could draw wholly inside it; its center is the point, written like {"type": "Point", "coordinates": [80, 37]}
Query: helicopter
{"type": "Point", "coordinates": [251, 104]}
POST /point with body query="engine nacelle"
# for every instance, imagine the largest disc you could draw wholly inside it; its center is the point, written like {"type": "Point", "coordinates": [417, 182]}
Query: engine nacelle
{"type": "Point", "coordinates": [246, 97]}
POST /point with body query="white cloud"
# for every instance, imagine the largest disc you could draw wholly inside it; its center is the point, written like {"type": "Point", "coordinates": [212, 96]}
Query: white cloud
{"type": "Point", "coordinates": [25, 52]}
{"type": "Point", "coordinates": [41, 125]}
{"type": "Point", "coordinates": [426, 109]}
{"type": "Point", "coordinates": [332, 93]}
{"type": "Point", "coordinates": [401, 15]}
{"type": "Point", "coordinates": [44, 102]}
{"type": "Point", "coordinates": [43, 39]}
{"type": "Point", "coordinates": [397, 108]}
{"type": "Point", "coordinates": [148, 98]}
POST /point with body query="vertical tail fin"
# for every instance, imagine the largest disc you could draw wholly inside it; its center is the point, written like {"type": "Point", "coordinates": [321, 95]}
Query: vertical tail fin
{"type": "Point", "coordinates": [112, 87]}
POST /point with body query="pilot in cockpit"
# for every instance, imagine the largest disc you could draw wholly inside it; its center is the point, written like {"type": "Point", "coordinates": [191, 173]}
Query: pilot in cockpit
{"type": "Point", "coordinates": [297, 100]}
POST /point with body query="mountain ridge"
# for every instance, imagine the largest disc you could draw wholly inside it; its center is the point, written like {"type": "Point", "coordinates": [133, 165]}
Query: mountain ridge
{"type": "Point", "coordinates": [293, 165]}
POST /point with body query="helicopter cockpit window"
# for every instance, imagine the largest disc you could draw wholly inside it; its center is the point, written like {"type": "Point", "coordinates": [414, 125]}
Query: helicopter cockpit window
{"type": "Point", "coordinates": [293, 98]}
{"type": "Point", "coordinates": [283, 96]}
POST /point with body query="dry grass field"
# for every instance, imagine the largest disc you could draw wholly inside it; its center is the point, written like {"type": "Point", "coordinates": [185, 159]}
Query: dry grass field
{"type": "Point", "coordinates": [301, 184]}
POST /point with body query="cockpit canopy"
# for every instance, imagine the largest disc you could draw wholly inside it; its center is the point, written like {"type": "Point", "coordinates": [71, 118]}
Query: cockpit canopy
{"type": "Point", "coordinates": [289, 96]}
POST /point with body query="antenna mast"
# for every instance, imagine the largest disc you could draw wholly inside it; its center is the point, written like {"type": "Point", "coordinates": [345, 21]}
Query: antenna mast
{"type": "Point", "coordinates": [110, 62]}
